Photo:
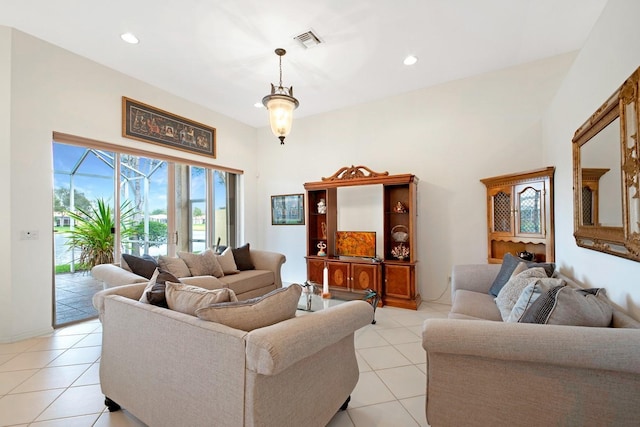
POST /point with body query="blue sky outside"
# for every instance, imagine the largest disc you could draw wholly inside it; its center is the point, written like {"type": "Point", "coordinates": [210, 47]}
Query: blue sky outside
{"type": "Point", "coordinates": [94, 177]}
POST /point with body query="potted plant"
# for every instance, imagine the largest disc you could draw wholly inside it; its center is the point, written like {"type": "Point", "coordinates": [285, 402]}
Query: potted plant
{"type": "Point", "coordinates": [93, 232]}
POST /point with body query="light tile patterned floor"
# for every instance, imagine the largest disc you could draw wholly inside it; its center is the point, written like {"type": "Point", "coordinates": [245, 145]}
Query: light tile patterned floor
{"type": "Point", "coordinates": [52, 381]}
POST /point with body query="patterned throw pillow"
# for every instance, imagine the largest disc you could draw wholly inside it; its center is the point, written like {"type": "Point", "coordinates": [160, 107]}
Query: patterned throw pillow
{"type": "Point", "coordinates": [255, 313]}
{"type": "Point", "coordinates": [530, 294]}
{"type": "Point", "coordinates": [563, 305]}
{"type": "Point", "coordinates": [510, 292]}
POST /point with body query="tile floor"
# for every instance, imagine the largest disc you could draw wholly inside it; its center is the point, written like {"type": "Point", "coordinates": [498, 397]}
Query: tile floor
{"type": "Point", "coordinates": [73, 293]}
{"type": "Point", "coordinates": [52, 381]}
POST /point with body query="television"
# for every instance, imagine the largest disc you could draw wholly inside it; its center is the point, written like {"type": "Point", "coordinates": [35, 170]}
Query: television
{"type": "Point", "coordinates": [356, 244]}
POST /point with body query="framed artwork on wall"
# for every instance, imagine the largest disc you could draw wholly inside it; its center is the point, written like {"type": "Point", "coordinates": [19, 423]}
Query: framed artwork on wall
{"type": "Point", "coordinates": [287, 209]}
{"type": "Point", "coordinates": [143, 122]}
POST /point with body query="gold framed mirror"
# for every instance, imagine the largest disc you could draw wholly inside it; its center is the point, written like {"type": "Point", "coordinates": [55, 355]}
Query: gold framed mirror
{"type": "Point", "coordinates": [606, 176]}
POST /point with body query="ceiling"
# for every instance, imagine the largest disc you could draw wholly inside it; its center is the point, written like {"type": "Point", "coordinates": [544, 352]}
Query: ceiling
{"type": "Point", "coordinates": [220, 53]}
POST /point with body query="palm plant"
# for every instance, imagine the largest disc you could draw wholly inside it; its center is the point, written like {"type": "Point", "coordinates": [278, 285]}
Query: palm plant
{"type": "Point", "coordinates": [93, 231]}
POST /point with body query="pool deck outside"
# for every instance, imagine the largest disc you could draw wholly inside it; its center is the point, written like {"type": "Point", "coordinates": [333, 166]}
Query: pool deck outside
{"type": "Point", "coordinates": [73, 294]}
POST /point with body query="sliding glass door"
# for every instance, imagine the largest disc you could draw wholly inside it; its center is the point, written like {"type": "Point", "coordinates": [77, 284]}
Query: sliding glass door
{"type": "Point", "coordinates": [139, 205]}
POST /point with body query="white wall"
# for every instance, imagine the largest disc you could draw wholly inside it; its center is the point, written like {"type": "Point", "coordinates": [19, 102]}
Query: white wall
{"type": "Point", "coordinates": [450, 136]}
{"type": "Point", "coordinates": [610, 55]}
{"type": "Point", "coordinates": [5, 178]}
{"type": "Point", "coordinates": [55, 90]}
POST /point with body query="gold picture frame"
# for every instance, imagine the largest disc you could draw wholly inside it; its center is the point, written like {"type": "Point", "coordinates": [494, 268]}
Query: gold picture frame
{"type": "Point", "coordinates": [145, 123]}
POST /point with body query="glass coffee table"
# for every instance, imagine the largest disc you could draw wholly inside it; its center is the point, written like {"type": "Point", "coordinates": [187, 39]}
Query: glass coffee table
{"type": "Point", "coordinates": [311, 299]}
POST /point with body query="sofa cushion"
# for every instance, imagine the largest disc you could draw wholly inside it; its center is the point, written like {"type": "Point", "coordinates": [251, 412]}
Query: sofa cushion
{"type": "Point", "coordinates": [509, 264]}
{"type": "Point", "coordinates": [142, 266]}
{"type": "Point", "coordinates": [242, 257]}
{"type": "Point", "coordinates": [510, 292]}
{"type": "Point", "coordinates": [156, 295]}
{"type": "Point", "coordinates": [227, 262]}
{"type": "Point", "coordinates": [187, 298]}
{"type": "Point", "coordinates": [529, 295]}
{"type": "Point", "coordinates": [174, 265]}
{"type": "Point", "coordinates": [474, 305]}
{"type": "Point", "coordinates": [150, 284]}
{"type": "Point", "coordinates": [562, 305]}
{"type": "Point", "coordinates": [255, 313]}
{"type": "Point", "coordinates": [249, 280]}
{"type": "Point", "coordinates": [202, 264]}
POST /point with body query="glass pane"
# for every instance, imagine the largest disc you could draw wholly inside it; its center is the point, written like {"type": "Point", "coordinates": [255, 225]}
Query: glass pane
{"type": "Point", "coordinates": [198, 209]}
{"type": "Point", "coordinates": [530, 211]}
{"type": "Point", "coordinates": [220, 208]}
{"type": "Point", "coordinates": [502, 212]}
{"type": "Point", "coordinates": [81, 178]}
{"type": "Point", "coordinates": [143, 197]}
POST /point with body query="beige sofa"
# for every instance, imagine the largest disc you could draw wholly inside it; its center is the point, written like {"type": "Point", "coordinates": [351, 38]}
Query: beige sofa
{"type": "Point", "coordinates": [487, 372]}
{"type": "Point", "coordinates": [246, 284]}
{"type": "Point", "coordinates": [172, 369]}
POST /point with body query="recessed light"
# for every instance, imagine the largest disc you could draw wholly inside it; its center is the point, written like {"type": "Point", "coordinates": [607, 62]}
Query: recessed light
{"type": "Point", "coordinates": [129, 38]}
{"type": "Point", "coordinates": [258, 105]}
{"type": "Point", "coordinates": [410, 60]}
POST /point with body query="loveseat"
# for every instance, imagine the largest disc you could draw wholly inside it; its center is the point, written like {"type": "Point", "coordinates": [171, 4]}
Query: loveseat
{"type": "Point", "coordinates": [482, 371]}
{"type": "Point", "coordinates": [172, 369]}
{"type": "Point", "coordinates": [246, 284]}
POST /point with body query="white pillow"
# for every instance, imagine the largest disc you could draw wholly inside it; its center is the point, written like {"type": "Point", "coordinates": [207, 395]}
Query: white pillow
{"type": "Point", "coordinates": [147, 288]}
{"type": "Point", "coordinates": [227, 262]}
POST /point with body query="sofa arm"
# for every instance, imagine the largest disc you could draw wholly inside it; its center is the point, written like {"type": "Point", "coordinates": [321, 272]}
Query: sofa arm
{"type": "Point", "coordinates": [112, 275]}
{"type": "Point", "coordinates": [473, 277]}
{"type": "Point", "coordinates": [492, 373]}
{"type": "Point", "coordinates": [133, 292]}
{"type": "Point", "coordinates": [273, 349]}
{"type": "Point", "coordinates": [265, 260]}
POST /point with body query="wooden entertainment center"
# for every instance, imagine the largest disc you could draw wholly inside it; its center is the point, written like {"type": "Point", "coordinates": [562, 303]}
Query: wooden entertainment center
{"type": "Point", "coordinates": [394, 275]}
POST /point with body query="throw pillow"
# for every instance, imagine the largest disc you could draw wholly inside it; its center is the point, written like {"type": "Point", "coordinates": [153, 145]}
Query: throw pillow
{"type": "Point", "coordinates": [242, 257]}
{"type": "Point", "coordinates": [156, 295]}
{"type": "Point", "coordinates": [150, 284]}
{"type": "Point", "coordinates": [509, 264]}
{"type": "Point", "coordinates": [563, 305]}
{"type": "Point", "coordinates": [227, 262]}
{"type": "Point", "coordinates": [530, 294]}
{"type": "Point", "coordinates": [255, 313]}
{"type": "Point", "coordinates": [174, 265]}
{"type": "Point", "coordinates": [187, 298]}
{"type": "Point", "coordinates": [204, 264]}
{"type": "Point", "coordinates": [511, 291]}
{"type": "Point", "coordinates": [142, 266]}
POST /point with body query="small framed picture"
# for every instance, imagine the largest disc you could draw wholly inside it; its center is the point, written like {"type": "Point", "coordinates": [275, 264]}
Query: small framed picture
{"type": "Point", "coordinates": [287, 209]}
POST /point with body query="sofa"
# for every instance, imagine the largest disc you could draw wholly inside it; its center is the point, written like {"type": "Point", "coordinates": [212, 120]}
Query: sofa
{"type": "Point", "coordinates": [250, 283]}
{"type": "Point", "coordinates": [483, 371]}
{"type": "Point", "coordinates": [173, 369]}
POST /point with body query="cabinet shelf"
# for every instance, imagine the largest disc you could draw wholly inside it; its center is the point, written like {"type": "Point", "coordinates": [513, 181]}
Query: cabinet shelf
{"type": "Point", "coordinates": [394, 279]}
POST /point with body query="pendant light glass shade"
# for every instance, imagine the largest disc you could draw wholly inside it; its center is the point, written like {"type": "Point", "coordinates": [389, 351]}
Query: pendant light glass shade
{"type": "Point", "coordinates": [280, 103]}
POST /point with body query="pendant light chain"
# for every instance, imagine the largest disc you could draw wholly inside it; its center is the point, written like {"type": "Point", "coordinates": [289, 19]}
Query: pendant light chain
{"type": "Point", "coordinates": [280, 57]}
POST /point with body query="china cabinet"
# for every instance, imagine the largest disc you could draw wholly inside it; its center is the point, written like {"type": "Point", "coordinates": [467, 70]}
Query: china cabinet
{"type": "Point", "coordinates": [393, 272]}
{"type": "Point", "coordinates": [520, 215]}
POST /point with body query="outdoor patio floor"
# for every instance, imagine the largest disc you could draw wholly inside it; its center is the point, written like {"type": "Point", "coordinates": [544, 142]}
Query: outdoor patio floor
{"type": "Point", "coordinates": [73, 293]}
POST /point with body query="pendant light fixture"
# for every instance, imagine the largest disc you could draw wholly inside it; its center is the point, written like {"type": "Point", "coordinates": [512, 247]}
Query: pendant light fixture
{"type": "Point", "coordinates": [280, 103]}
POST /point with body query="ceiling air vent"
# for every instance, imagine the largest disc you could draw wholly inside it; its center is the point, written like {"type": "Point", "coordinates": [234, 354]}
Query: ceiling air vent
{"type": "Point", "coordinates": [308, 39]}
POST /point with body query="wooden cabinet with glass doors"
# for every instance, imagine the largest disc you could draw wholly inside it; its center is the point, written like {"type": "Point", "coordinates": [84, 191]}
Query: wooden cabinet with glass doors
{"type": "Point", "coordinates": [520, 215]}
